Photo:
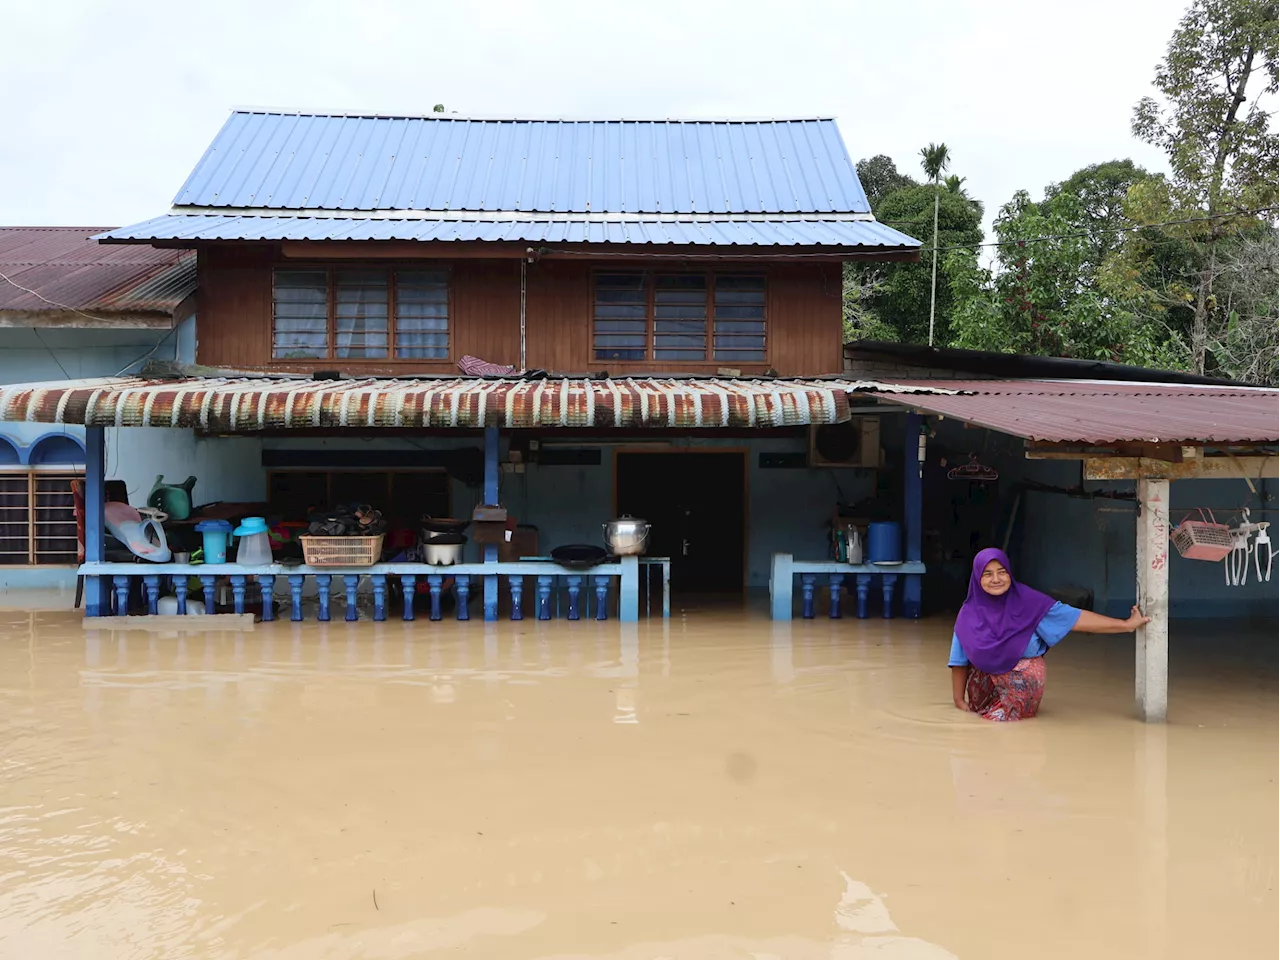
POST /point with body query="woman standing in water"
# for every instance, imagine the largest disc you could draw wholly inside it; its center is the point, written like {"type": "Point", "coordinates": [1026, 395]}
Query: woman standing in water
{"type": "Point", "coordinates": [1002, 634]}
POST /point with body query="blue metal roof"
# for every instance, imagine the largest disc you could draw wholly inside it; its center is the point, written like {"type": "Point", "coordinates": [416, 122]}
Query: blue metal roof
{"type": "Point", "coordinates": [295, 161]}
{"type": "Point", "coordinates": [736, 232]}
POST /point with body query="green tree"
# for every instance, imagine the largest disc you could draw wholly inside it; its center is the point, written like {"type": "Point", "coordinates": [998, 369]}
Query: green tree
{"type": "Point", "coordinates": [1043, 298]}
{"type": "Point", "coordinates": [900, 295]}
{"type": "Point", "coordinates": [934, 159]}
{"type": "Point", "coordinates": [1216, 133]}
{"type": "Point", "coordinates": [1100, 191]}
{"type": "Point", "coordinates": [880, 177]}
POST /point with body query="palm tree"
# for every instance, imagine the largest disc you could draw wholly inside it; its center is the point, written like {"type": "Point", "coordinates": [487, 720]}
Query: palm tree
{"type": "Point", "coordinates": [935, 159]}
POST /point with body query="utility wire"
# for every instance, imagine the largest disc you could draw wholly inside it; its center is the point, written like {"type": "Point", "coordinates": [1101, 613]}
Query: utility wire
{"type": "Point", "coordinates": [54, 303]}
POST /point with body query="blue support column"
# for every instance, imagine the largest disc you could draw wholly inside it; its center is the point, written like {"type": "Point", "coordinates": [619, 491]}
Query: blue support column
{"type": "Point", "coordinates": [862, 583]}
{"type": "Point", "coordinates": [887, 582]}
{"type": "Point", "coordinates": [208, 585]}
{"type": "Point", "coordinates": [435, 582]}
{"type": "Point", "coordinates": [409, 585]}
{"type": "Point", "coordinates": [122, 595]}
{"type": "Point", "coordinates": [837, 584]}
{"type": "Point", "coordinates": [491, 496]}
{"type": "Point", "coordinates": [295, 596]}
{"type": "Point", "coordinates": [324, 584]}
{"type": "Point", "coordinates": [913, 515]}
{"type": "Point", "coordinates": [516, 585]}
{"type": "Point", "coordinates": [151, 587]}
{"type": "Point", "coordinates": [629, 590]}
{"type": "Point", "coordinates": [237, 592]}
{"type": "Point", "coordinates": [267, 587]}
{"type": "Point", "coordinates": [350, 582]}
{"type": "Point", "coordinates": [602, 598]}
{"type": "Point", "coordinates": [544, 597]}
{"type": "Point", "coordinates": [180, 593]}
{"type": "Point", "coordinates": [575, 591]}
{"type": "Point", "coordinates": [780, 586]}
{"type": "Point", "coordinates": [379, 596]}
{"type": "Point", "coordinates": [97, 602]}
{"type": "Point", "coordinates": [462, 586]}
{"type": "Point", "coordinates": [808, 581]}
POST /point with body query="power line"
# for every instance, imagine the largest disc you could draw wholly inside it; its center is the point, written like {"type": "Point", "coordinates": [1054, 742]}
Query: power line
{"type": "Point", "coordinates": [53, 303]}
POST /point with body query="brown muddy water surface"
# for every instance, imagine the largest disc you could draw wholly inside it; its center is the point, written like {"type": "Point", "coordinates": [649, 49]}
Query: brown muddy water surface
{"type": "Point", "coordinates": [719, 787]}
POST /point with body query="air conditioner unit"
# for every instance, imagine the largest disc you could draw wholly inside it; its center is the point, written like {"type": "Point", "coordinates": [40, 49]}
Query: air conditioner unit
{"type": "Point", "coordinates": [855, 443]}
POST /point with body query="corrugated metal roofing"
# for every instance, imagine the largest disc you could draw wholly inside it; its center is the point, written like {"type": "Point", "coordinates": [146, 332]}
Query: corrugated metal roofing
{"type": "Point", "coordinates": [305, 161]}
{"type": "Point", "coordinates": [65, 265]}
{"type": "Point", "coordinates": [838, 233]}
{"type": "Point", "coordinates": [1106, 412]}
{"type": "Point", "coordinates": [247, 405]}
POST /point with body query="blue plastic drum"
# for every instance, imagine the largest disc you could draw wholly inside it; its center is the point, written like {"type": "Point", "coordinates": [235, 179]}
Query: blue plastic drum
{"type": "Point", "coordinates": [884, 543]}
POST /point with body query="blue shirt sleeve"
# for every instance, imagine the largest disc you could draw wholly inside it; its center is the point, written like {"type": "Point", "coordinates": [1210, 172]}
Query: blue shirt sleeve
{"type": "Point", "coordinates": [958, 659]}
{"type": "Point", "coordinates": [1056, 624]}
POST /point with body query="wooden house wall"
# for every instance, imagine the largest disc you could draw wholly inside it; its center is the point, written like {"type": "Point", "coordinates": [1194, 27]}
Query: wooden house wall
{"type": "Point", "coordinates": [802, 316]}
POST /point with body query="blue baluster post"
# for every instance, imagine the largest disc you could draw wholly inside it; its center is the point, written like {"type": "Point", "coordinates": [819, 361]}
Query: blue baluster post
{"type": "Point", "coordinates": [180, 593]}
{"type": "Point", "coordinates": [267, 587]}
{"type": "Point", "coordinates": [462, 583]}
{"type": "Point", "coordinates": [575, 591]}
{"type": "Point", "coordinates": [435, 582]}
{"type": "Point", "coordinates": [151, 587]}
{"type": "Point", "coordinates": [837, 584]}
{"type": "Point", "coordinates": [209, 585]}
{"type": "Point", "coordinates": [807, 583]}
{"type": "Point", "coordinates": [887, 582]}
{"type": "Point", "coordinates": [350, 582]}
{"type": "Point", "coordinates": [516, 584]}
{"type": "Point", "coordinates": [295, 596]}
{"type": "Point", "coordinates": [97, 600]}
{"type": "Point", "coordinates": [544, 597]}
{"type": "Point", "coordinates": [602, 598]}
{"type": "Point", "coordinates": [121, 584]}
{"type": "Point", "coordinates": [379, 596]}
{"type": "Point", "coordinates": [913, 515]}
{"type": "Point", "coordinates": [324, 596]}
{"type": "Point", "coordinates": [408, 584]}
{"type": "Point", "coordinates": [863, 583]}
{"type": "Point", "coordinates": [491, 496]}
{"type": "Point", "coordinates": [237, 591]}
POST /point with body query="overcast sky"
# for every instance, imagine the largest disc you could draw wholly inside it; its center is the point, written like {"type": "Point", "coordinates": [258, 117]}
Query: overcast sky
{"type": "Point", "coordinates": [107, 106]}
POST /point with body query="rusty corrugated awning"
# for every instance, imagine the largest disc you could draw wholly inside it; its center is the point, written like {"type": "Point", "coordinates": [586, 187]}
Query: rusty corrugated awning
{"type": "Point", "coordinates": [1096, 412]}
{"type": "Point", "coordinates": [253, 404]}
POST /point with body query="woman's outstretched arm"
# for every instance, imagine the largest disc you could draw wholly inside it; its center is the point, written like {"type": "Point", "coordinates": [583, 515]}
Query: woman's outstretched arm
{"type": "Point", "coordinates": [1091, 622]}
{"type": "Point", "coordinates": [959, 676]}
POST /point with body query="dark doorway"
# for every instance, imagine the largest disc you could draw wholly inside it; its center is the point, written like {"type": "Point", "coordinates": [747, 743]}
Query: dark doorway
{"type": "Point", "coordinates": [697, 505]}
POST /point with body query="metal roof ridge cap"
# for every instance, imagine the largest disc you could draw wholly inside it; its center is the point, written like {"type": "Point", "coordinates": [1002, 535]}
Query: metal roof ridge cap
{"type": "Point", "coordinates": [504, 216]}
{"type": "Point", "coordinates": [508, 118]}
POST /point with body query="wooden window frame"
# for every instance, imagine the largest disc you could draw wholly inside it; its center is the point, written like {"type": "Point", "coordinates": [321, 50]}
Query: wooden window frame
{"type": "Point", "coordinates": [650, 277]}
{"type": "Point", "coordinates": [32, 474]}
{"type": "Point", "coordinates": [331, 302]}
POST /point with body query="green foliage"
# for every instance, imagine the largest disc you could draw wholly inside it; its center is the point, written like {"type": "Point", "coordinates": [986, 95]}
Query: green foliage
{"type": "Point", "coordinates": [935, 160]}
{"type": "Point", "coordinates": [901, 296]}
{"type": "Point", "coordinates": [880, 177]}
{"type": "Point", "coordinates": [1215, 129]}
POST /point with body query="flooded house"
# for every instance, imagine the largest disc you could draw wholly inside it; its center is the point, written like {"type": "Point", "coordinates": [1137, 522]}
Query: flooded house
{"type": "Point", "coordinates": [532, 329]}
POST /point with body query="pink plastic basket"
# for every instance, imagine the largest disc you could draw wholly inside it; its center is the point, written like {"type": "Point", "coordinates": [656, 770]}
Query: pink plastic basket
{"type": "Point", "coordinates": [1202, 539]}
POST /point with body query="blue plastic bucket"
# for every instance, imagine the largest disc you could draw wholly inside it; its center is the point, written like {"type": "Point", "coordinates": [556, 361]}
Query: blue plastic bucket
{"type": "Point", "coordinates": [884, 543]}
{"type": "Point", "coordinates": [215, 533]}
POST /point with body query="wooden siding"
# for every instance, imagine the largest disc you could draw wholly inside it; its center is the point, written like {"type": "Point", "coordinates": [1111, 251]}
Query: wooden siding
{"type": "Point", "coordinates": [803, 318]}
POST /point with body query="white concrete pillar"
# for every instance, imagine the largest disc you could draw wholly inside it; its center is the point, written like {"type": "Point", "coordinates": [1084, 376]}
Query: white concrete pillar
{"type": "Point", "coordinates": [1151, 681]}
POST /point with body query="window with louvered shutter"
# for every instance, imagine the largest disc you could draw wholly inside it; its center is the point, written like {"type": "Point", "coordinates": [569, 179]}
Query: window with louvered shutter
{"type": "Point", "coordinates": [37, 519]}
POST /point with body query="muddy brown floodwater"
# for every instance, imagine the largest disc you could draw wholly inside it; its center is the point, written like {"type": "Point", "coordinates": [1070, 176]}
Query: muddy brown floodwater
{"type": "Point", "coordinates": [712, 788]}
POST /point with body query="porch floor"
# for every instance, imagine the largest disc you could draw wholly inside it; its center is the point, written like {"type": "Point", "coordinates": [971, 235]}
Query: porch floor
{"type": "Point", "coordinates": [718, 784]}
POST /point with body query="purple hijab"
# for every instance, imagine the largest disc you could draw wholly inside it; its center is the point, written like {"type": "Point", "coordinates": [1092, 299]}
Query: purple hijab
{"type": "Point", "coordinates": [994, 631]}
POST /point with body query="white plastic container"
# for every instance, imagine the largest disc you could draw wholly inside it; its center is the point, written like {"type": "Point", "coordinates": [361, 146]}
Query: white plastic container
{"type": "Point", "coordinates": [255, 543]}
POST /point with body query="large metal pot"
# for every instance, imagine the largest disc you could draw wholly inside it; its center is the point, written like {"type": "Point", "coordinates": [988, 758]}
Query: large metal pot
{"type": "Point", "coordinates": [443, 550]}
{"type": "Point", "coordinates": [627, 536]}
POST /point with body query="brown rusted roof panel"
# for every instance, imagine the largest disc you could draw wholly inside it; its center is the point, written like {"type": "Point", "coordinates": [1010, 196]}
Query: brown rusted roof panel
{"type": "Point", "coordinates": [66, 266]}
{"type": "Point", "coordinates": [1106, 412]}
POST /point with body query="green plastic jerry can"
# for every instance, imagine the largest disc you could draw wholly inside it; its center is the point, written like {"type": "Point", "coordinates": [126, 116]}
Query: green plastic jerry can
{"type": "Point", "coordinates": [173, 499]}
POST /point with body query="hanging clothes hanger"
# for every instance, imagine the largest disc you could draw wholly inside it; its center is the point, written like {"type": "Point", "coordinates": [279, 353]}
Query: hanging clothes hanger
{"type": "Point", "coordinates": [973, 471]}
